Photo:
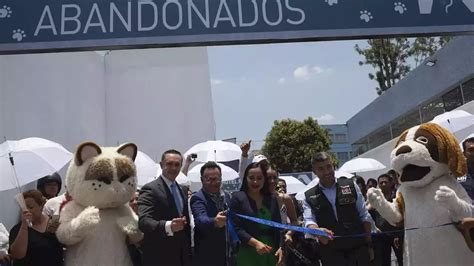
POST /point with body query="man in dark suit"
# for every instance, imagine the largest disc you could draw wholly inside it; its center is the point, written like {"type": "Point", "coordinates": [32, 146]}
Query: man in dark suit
{"type": "Point", "coordinates": [164, 217]}
{"type": "Point", "coordinates": [208, 206]}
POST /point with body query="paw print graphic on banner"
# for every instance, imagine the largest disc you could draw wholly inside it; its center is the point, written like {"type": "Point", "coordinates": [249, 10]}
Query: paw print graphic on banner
{"type": "Point", "coordinates": [331, 2]}
{"type": "Point", "coordinates": [400, 8]}
{"type": "Point", "coordinates": [366, 16]}
{"type": "Point", "coordinates": [18, 35]}
{"type": "Point", "coordinates": [5, 12]}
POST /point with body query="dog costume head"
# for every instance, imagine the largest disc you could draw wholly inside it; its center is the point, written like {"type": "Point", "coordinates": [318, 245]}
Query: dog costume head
{"type": "Point", "coordinates": [426, 152]}
{"type": "Point", "coordinates": [102, 177]}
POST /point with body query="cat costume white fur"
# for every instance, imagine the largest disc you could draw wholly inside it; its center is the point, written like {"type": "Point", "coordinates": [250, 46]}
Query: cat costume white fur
{"type": "Point", "coordinates": [97, 224]}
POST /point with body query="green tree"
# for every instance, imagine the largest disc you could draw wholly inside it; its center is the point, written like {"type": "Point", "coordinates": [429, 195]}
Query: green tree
{"type": "Point", "coordinates": [390, 57]}
{"type": "Point", "coordinates": [290, 144]}
{"type": "Point", "coordinates": [424, 47]}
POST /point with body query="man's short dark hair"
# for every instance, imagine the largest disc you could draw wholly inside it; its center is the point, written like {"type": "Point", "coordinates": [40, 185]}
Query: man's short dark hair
{"type": "Point", "coordinates": [282, 180]}
{"type": "Point", "coordinates": [210, 165]}
{"type": "Point", "coordinates": [385, 175]}
{"type": "Point", "coordinates": [372, 180]}
{"type": "Point", "coordinates": [320, 157]}
{"type": "Point", "coordinates": [466, 141]}
{"type": "Point", "coordinates": [172, 151]}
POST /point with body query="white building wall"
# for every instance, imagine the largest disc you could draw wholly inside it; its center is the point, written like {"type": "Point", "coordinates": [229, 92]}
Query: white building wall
{"type": "Point", "coordinates": [157, 98]}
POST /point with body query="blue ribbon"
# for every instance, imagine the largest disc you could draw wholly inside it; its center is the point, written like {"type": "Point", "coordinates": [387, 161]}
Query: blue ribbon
{"type": "Point", "coordinates": [230, 227]}
{"type": "Point", "coordinates": [317, 232]}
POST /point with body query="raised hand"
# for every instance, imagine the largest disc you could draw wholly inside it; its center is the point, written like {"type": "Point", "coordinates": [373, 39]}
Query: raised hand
{"type": "Point", "coordinates": [245, 147]}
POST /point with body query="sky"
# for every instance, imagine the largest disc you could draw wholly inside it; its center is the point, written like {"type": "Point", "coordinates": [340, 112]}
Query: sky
{"type": "Point", "coordinates": [254, 85]}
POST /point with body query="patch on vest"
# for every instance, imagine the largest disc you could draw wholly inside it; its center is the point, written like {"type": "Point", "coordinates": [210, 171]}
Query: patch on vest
{"type": "Point", "coordinates": [346, 190]}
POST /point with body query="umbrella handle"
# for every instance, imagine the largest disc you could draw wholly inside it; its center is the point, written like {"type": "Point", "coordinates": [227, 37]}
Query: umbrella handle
{"type": "Point", "coordinates": [11, 159]}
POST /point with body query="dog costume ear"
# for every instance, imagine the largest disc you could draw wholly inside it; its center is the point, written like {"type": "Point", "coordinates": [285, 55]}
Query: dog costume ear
{"type": "Point", "coordinates": [85, 151]}
{"type": "Point", "coordinates": [448, 149]}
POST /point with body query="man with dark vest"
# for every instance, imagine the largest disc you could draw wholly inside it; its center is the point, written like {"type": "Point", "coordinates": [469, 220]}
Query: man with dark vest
{"type": "Point", "coordinates": [337, 207]}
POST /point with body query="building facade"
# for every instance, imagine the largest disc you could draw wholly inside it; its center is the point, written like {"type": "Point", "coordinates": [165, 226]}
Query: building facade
{"type": "Point", "coordinates": [443, 83]}
{"type": "Point", "coordinates": [340, 145]}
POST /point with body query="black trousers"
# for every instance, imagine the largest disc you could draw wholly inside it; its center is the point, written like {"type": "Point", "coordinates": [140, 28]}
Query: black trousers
{"type": "Point", "coordinates": [331, 256]}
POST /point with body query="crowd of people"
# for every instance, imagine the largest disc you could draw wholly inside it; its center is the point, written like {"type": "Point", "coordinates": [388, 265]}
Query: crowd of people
{"type": "Point", "coordinates": [205, 227]}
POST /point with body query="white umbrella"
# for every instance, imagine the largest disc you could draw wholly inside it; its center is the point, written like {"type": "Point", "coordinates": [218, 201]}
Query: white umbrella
{"type": "Point", "coordinates": [300, 195]}
{"type": "Point", "coordinates": [454, 120]}
{"type": "Point", "coordinates": [228, 173]}
{"type": "Point", "coordinates": [146, 168]}
{"type": "Point", "coordinates": [27, 160]}
{"type": "Point", "coordinates": [293, 185]}
{"type": "Point", "coordinates": [359, 165]}
{"type": "Point", "coordinates": [215, 150]}
{"type": "Point", "coordinates": [181, 179]}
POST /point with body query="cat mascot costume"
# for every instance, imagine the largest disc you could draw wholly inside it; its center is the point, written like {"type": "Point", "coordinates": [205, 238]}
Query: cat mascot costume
{"type": "Point", "coordinates": [98, 223]}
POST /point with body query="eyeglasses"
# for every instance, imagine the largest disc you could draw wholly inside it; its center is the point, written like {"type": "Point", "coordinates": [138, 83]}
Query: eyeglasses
{"type": "Point", "coordinates": [211, 180]}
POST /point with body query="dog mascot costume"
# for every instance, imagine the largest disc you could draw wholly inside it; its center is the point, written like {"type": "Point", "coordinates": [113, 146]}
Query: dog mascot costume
{"type": "Point", "coordinates": [428, 159]}
{"type": "Point", "coordinates": [98, 223]}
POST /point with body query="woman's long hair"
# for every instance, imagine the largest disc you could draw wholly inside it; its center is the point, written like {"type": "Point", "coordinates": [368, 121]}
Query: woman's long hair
{"type": "Point", "coordinates": [245, 187]}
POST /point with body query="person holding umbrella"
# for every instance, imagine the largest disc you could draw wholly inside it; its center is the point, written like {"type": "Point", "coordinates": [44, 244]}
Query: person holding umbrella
{"type": "Point", "coordinates": [35, 245]}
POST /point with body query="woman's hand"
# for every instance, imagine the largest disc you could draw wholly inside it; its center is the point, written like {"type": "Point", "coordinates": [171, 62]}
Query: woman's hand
{"type": "Point", "coordinates": [26, 218]}
{"type": "Point", "coordinates": [262, 248]}
{"type": "Point", "coordinates": [279, 255]}
{"type": "Point", "coordinates": [288, 238]}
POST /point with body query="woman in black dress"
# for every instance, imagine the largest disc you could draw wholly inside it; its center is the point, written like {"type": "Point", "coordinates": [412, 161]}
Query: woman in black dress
{"type": "Point", "coordinates": [35, 244]}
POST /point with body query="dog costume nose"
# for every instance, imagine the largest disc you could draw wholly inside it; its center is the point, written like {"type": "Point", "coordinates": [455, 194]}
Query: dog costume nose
{"type": "Point", "coordinates": [402, 150]}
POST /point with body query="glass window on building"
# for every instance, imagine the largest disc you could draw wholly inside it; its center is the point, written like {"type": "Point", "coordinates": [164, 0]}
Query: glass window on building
{"type": "Point", "coordinates": [452, 99]}
{"type": "Point", "coordinates": [468, 90]}
{"type": "Point", "coordinates": [340, 138]}
{"type": "Point", "coordinates": [331, 136]}
{"type": "Point", "coordinates": [405, 122]}
{"type": "Point", "coordinates": [360, 147]}
{"type": "Point", "coordinates": [342, 156]}
{"type": "Point", "coordinates": [379, 137]}
{"type": "Point", "coordinates": [432, 109]}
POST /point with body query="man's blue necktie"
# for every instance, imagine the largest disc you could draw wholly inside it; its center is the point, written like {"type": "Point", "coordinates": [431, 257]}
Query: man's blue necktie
{"type": "Point", "coordinates": [177, 198]}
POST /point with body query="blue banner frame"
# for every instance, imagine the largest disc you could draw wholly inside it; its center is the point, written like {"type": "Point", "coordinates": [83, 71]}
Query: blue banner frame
{"type": "Point", "coordinates": [55, 25]}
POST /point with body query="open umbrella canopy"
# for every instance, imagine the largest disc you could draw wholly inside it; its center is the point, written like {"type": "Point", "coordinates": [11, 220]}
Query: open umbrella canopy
{"type": "Point", "coordinates": [293, 185]}
{"type": "Point", "coordinates": [215, 150]}
{"type": "Point", "coordinates": [360, 165]}
{"type": "Point", "coordinates": [32, 159]}
{"type": "Point", "coordinates": [228, 173]}
{"type": "Point", "coordinates": [146, 168]}
{"type": "Point", "coordinates": [454, 120]}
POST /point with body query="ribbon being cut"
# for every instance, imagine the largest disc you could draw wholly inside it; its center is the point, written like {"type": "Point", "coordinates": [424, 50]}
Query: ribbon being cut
{"type": "Point", "coordinates": [316, 232]}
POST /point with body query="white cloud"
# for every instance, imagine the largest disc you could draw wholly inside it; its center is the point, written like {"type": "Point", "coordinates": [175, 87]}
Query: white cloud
{"type": "Point", "coordinates": [325, 118]}
{"type": "Point", "coordinates": [306, 72]}
{"type": "Point", "coordinates": [281, 80]}
{"type": "Point", "coordinates": [216, 82]}
{"type": "Point", "coordinates": [302, 72]}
